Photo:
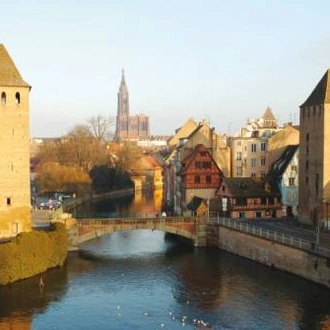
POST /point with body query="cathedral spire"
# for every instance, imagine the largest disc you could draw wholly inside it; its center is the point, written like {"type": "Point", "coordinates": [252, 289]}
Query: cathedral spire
{"type": "Point", "coordinates": [123, 82]}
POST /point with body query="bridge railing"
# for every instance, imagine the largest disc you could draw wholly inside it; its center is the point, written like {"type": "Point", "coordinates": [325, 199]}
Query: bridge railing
{"type": "Point", "coordinates": [272, 235]}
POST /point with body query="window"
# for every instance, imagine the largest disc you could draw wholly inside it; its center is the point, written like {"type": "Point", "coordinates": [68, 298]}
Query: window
{"type": "Point", "coordinates": [253, 147]}
{"type": "Point", "coordinates": [306, 179]}
{"type": "Point", "coordinates": [203, 153]}
{"type": "Point", "coordinates": [197, 179]}
{"type": "Point", "coordinates": [263, 161]}
{"type": "Point", "coordinates": [263, 146]}
{"type": "Point", "coordinates": [17, 98]}
{"type": "Point", "coordinates": [8, 201]}
{"type": "Point", "coordinates": [206, 165]}
{"type": "Point", "coordinates": [238, 156]}
{"type": "Point", "coordinates": [239, 170]}
{"type": "Point", "coordinates": [3, 98]}
{"type": "Point", "coordinates": [238, 143]}
{"type": "Point", "coordinates": [208, 179]}
{"type": "Point", "coordinates": [291, 181]}
{"type": "Point", "coordinates": [294, 168]}
{"type": "Point", "coordinates": [198, 164]}
{"type": "Point", "coordinates": [262, 175]}
{"type": "Point", "coordinates": [253, 175]}
{"type": "Point", "coordinates": [241, 214]}
{"type": "Point", "coordinates": [253, 162]}
{"type": "Point", "coordinates": [307, 137]}
{"type": "Point", "coordinates": [307, 165]}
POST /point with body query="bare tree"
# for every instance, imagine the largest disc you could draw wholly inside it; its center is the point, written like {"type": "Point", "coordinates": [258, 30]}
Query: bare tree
{"type": "Point", "coordinates": [99, 127]}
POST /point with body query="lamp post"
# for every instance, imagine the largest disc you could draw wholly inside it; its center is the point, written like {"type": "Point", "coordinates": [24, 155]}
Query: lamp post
{"type": "Point", "coordinates": [317, 238]}
{"type": "Point", "coordinates": [326, 213]}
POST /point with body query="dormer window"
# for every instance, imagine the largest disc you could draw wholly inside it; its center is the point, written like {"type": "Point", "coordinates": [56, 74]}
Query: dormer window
{"type": "Point", "coordinates": [3, 98]}
{"type": "Point", "coordinates": [17, 98]}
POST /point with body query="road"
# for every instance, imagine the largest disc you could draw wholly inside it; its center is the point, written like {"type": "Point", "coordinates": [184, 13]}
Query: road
{"type": "Point", "coordinates": [294, 229]}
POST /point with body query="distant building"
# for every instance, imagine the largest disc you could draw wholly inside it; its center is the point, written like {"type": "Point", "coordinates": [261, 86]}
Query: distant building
{"type": "Point", "coordinates": [247, 198]}
{"type": "Point", "coordinates": [200, 176]}
{"type": "Point", "coordinates": [250, 145]}
{"type": "Point", "coordinates": [15, 202]}
{"type": "Point", "coordinates": [129, 127]}
{"type": "Point", "coordinates": [314, 154]}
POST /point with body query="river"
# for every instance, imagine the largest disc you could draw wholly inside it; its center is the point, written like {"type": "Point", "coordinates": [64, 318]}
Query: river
{"type": "Point", "coordinates": [146, 280]}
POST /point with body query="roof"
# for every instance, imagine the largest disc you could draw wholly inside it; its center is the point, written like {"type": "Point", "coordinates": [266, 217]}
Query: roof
{"type": "Point", "coordinates": [182, 132]}
{"type": "Point", "coordinates": [268, 115]}
{"type": "Point", "coordinates": [195, 203]}
{"type": "Point", "coordinates": [146, 163]}
{"type": "Point", "coordinates": [280, 165]}
{"type": "Point", "coordinates": [321, 93]}
{"type": "Point", "coordinates": [192, 156]}
{"type": "Point", "coordinates": [248, 187]}
{"type": "Point", "coordinates": [9, 75]}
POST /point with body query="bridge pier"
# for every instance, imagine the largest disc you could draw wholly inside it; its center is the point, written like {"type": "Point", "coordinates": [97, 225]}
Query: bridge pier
{"type": "Point", "coordinates": [201, 238]}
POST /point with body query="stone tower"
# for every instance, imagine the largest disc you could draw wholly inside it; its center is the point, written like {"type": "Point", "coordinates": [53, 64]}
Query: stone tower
{"type": "Point", "coordinates": [122, 122]}
{"type": "Point", "coordinates": [15, 203]}
{"type": "Point", "coordinates": [314, 154]}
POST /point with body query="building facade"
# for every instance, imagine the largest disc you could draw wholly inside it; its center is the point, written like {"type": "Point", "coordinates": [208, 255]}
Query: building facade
{"type": "Point", "coordinates": [129, 127]}
{"type": "Point", "coordinates": [314, 154]}
{"type": "Point", "coordinates": [15, 202]}
{"type": "Point", "coordinates": [249, 146]}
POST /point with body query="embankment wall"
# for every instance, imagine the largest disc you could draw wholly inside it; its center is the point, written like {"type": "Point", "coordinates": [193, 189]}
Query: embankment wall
{"type": "Point", "coordinates": [306, 264]}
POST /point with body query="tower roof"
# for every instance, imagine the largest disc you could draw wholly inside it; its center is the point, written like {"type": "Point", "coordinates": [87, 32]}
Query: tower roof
{"type": "Point", "coordinates": [123, 81]}
{"type": "Point", "coordinates": [321, 93]}
{"type": "Point", "coordinates": [9, 75]}
{"type": "Point", "coordinates": [268, 115]}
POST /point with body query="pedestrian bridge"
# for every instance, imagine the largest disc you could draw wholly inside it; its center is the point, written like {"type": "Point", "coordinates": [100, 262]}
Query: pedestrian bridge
{"type": "Point", "coordinates": [191, 228]}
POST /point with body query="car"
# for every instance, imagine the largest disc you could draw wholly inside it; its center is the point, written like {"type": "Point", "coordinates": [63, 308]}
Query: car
{"type": "Point", "coordinates": [44, 203]}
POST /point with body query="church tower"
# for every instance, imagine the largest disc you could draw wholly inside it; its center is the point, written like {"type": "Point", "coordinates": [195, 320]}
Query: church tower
{"type": "Point", "coordinates": [15, 203]}
{"type": "Point", "coordinates": [314, 154]}
{"type": "Point", "coordinates": [122, 122]}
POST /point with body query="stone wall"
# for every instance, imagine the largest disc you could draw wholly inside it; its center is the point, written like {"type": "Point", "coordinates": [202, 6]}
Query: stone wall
{"type": "Point", "coordinates": [302, 263]}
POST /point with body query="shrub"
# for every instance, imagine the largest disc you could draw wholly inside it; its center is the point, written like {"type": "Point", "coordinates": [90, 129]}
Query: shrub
{"type": "Point", "coordinates": [31, 253]}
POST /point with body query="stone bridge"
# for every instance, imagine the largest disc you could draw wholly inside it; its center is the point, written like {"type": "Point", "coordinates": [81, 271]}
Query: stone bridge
{"type": "Point", "coordinates": [82, 230]}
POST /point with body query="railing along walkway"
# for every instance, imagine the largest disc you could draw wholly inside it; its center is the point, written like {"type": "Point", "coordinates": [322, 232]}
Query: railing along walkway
{"type": "Point", "coordinates": [272, 235]}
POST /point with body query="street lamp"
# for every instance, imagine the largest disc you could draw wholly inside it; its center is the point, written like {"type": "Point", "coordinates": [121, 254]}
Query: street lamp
{"type": "Point", "coordinates": [317, 238]}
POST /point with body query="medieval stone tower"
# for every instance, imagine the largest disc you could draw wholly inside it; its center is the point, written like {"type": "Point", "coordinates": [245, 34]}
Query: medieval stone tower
{"type": "Point", "coordinates": [129, 127]}
{"type": "Point", "coordinates": [15, 204]}
{"type": "Point", "coordinates": [314, 154]}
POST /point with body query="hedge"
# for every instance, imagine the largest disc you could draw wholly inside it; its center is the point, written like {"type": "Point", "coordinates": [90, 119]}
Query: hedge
{"type": "Point", "coordinates": [32, 253]}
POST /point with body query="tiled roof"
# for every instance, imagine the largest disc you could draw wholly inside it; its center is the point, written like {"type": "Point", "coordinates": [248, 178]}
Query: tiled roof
{"type": "Point", "coordinates": [321, 93]}
{"type": "Point", "coordinates": [9, 75]}
{"type": "Point", "coordinates": [248, 187]}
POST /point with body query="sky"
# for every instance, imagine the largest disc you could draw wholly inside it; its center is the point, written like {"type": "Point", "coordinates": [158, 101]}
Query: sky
{"type": "Point", "coordinates": [214, 60]}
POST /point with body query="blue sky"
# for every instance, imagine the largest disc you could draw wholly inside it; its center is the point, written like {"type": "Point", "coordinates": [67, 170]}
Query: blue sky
{"type": "Point", "coordinates": [223, 61]}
